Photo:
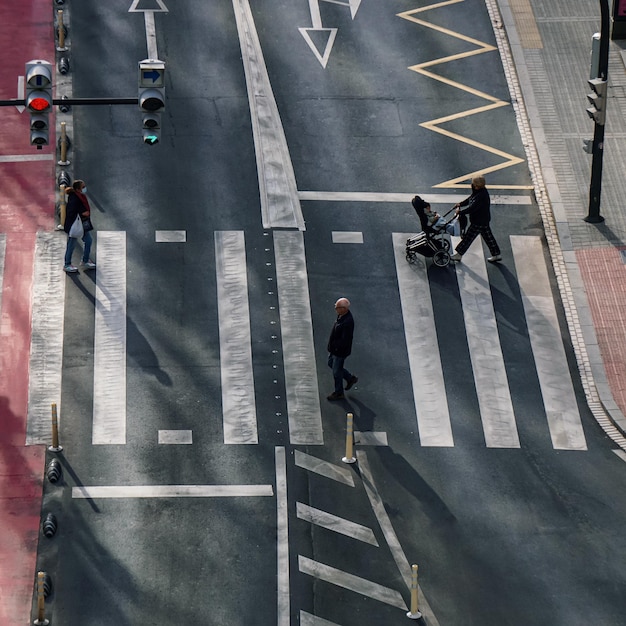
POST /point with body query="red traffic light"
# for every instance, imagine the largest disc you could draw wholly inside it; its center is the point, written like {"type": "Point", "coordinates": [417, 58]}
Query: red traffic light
{"type": "Point", "coordinates": [39, 103]}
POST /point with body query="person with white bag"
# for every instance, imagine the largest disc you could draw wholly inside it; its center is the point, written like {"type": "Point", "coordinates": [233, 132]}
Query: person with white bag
{"type": "Point", "coordinates": [78, 226]}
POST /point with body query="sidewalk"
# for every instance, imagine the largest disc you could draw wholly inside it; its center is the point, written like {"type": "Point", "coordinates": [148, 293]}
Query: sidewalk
{"type": "Point", "coordinates": [550, 43]}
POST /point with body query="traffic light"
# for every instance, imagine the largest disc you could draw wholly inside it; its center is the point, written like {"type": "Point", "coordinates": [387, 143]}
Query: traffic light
{"type": "Point", "coordinates": [597, 99]}
{"type": "Point", "coordinates": [39, 100]}
{"type": "Point", "coordinates": [588, 146]}
{"type": "Point", "coordinates": [151, 98]}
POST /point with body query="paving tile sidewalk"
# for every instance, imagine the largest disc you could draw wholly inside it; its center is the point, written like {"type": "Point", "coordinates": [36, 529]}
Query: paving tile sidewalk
{"type": "Point", "coordinates": [551, 50]}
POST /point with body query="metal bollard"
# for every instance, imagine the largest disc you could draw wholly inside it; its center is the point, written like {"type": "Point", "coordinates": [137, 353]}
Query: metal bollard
{"type": "Point", "coordinates": [49, 525]}
{"type": "Point", "coordinates": [41, 601]}
{"type": "Point", "coordinates": [54, 471]}
{"type": "Point", "coordinates": [63, 143]}
{"type": "Point", "coordinates": [61, 28]}
{"type": "Point", "coordinates": [349, 458]}
{"type": "Point", "coordinates": [55, 447]}
{"type": "Point", "coordinates": [414, 612]}
{"type": "Point", "coordinates": [64, 65]}
{"type": "Point", "coordinates": [64, 108]}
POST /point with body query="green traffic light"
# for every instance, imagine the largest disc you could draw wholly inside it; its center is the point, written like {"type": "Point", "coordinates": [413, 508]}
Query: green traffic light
{"type": "Point", "coordinates": [151, 139]}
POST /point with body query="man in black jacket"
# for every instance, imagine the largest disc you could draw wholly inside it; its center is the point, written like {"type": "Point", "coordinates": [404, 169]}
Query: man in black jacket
{"type": "Point", "coordinates": [339, 348]}
{"type": "Point", "coordinates": [478, 210]}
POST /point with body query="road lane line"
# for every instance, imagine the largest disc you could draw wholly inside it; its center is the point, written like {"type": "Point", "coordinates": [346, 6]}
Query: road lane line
{"type": "Point", "coordinates": [621, 454]}
{"type": "Point", "coordinates": [306, 619]}
{"type": "Point", "coordinates": [175, 437]}
{"type": "Point", "coordinates": [170, 236]}
{"type": "Point", "coordinates": [172, 491]}
{"type": "Point", "coordinates": [46, 343]}
{"type": "Point", "coordinates": [555, 380]}
{"type": "Point", "coordinates": [280, 205]}
{"type": "Point", "coordinates": [351, 582]}
{"type": "Point", "coordinates": [282, 538]}
{"type": "Point", "coordinates": [492, 386]}
{"type": "Point", "coordinates": [238, 399]}
{"type": "Point", "coordinates": [405, 198]}
{"type": "Point", "coordinates": [19, 158]}
{"type": "Point", "coordinates": [303, 401]}
{"type": "Point", "coordinates": [109, 388]}
{"type": "Point", "coordinates": [378, 507]}
{"type": "Point", "coordinates": [3, 252]}
{"type": "Point", "coordinates": [335, 523]}
{"type": "Point", "coordinates": [324, 468]}
{"type": "Point", "coordinates": [429, 390]}
{"type": "Point", "coordinates": [339, 236]}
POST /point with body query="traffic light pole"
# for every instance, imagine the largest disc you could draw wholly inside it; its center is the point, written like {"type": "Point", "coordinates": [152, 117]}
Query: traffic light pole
{"type": "Point", "coordinates": [595, 187]}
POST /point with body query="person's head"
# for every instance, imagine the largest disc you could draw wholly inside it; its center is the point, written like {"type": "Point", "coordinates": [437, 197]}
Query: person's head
{"type": "Point", "coordinates": [478, 182]}
{"type": "Point", "coordinates": [418, 203]}
{"type": "Point", "coordinates": [78, 185]}
{"type": "Point", "coordinates": [342, 306]}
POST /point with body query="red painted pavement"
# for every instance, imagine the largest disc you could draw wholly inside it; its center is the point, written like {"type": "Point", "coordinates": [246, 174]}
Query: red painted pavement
{"type": "Point", "coordinates": [26, 206]}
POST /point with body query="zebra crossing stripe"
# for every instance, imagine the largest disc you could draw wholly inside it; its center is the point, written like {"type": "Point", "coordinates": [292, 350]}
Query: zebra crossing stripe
{"type": "Point", "coordinates": [323, 468]}
{"type": "Point", "coordinates": [492, 387]}
{"type": "Point", "coordinates": [429, 391]}
{"type": "Point", "coordinates": [46, 344]}
{"type": "Point", "coordinates": [109, 387]}
{"type": "Point", "coordinates": [555, 380]}
{"type": "Point", "coordinates": [238, 401]}
{"type": "Point", "coordinates": [303, 402]}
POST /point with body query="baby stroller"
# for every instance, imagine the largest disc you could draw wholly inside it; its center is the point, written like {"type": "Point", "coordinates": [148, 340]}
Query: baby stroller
{"type": "Point", "coordinates": [434, 240]}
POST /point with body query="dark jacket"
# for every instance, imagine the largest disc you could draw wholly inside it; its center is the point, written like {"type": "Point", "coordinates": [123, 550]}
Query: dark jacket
{"type": "Point", "coordinates": [478, 207]}
{"type": "Point", "coordinates": [75, 205]}
{"type": "Point", "coordinates": [340, 341]}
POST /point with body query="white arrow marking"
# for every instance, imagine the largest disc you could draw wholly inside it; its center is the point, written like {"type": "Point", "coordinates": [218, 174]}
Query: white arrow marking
{"type": "Point", "coordinates": [157, 7]}
{"type": "Point", "coordinates": [20, 93]}
{"type": "Point", "coordinates": [161, 7]}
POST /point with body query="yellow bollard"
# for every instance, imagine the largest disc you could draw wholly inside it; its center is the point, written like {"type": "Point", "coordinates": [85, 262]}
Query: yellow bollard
{"type": "Point", "coordinates": [414, 612]}
{"type": "Point", "coordinates": [41, 602]}
{"type": "Point", "coordinates": [55, 447]}
{"type": "Point", "coordinates": [62, 207]}
{"type": "Point", "coordinates": [349, 458]}
{"type": "Point", "coordinates": [63, 160]}
{"type": "Point", "coordinates": [61, 30]}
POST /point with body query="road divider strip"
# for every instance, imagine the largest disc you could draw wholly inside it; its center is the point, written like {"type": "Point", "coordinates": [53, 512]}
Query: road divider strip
{"type": "Point", "coordinates": [171, 491]}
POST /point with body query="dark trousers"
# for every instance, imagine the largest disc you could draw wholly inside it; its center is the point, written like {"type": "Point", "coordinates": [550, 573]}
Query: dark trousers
{"type": "Point", "coordinates": [472, 232]}
{"type": "Point", "coordinates": [340, 373]}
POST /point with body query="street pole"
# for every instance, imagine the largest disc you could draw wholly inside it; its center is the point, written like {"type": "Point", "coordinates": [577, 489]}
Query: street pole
{"type": "Point", "coordinates": [595, 187]}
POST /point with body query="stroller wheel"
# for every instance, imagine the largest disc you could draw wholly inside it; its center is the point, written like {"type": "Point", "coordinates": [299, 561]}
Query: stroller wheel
{"type": "Point", "coordinates": [441, 258]}
{"type": "Point", "coordinates": [410, 257]}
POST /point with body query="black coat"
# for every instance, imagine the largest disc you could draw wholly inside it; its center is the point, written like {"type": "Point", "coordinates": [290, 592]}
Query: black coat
{"type": "Point", "coordinates": [73, 207]}
{"type": "Point", "coordinates": [478, 207]}
{"type": "Point", "coordinates": [340, 341]}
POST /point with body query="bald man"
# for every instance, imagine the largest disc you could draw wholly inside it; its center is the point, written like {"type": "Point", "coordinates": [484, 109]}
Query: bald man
{"type": "Point", "coordinates": [339, 348]}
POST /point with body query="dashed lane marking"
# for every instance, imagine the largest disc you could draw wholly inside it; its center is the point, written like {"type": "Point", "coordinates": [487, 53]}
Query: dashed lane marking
{"type": "Point", "coordinates": [170, 236]}
{"type": "Point", "coordinates": [172, 491]}
{"type": "Point", "coordinates": [18, 158]}
{"type": "Point", "coordinates": [306, 619]}
{"type": "Point", "coordinates": [398, 198]}
{"type": "Point", "coordinates": [324, 468]}
{"type": "Point", "coordinates": [347, 237]}
{"type": "Point", "coordinates": [175, 436]}
{"type": "Point", "coordinates": [282, 538]}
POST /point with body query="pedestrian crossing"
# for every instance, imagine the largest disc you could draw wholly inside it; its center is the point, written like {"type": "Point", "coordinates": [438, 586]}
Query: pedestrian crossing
{"type": "Point", "coordinates": [239, 393]}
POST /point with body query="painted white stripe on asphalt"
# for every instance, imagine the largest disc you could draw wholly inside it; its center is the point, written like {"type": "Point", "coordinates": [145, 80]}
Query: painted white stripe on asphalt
{"type": "Point", "coordinates": [175, 437]}
{"type": "Point", "coordinates": [621, 454]}
{"type": "Point", "coordinates": [329, 470]}
{"type": "Point", "coordinates": [3, 252]}
{"type": "Point", "coordinates": [492, 386]}
{"type": "Point", "coordinates": [370, 438]}
{"type": "Point", "coordinates": [303, 401]}
{"type": "Point", "coordinates": [19, 158]}
{"type": "Point", "coordinates": [351, 582]}
{"type": "Point", "coordinates": [336, 524]}
{"type": "Point", "coordinates": [441, 198]}
{"type": "Point", "coordinates": [306, 619]}
{"type": "Point", "coordinates": [238, 400]}
{"type": "Point", "coordinates": [173, 491]}
{"type": "Point", "coordinates": [347, 237]}
{"type": "Point", "coordinates": [282, 538]}
{"type": "Point", "coordinates": [46, 344]}
{"type": "Point", "coordinates": [378, 507]}
{"type": "Point", "coordinates": [555, 380]}
{"type": "Point", "coordinates": [429, 391]}
{"type": "Point", "coordinates": [170, 236]}
{"type": "Point", "coordinates": [109, 388]}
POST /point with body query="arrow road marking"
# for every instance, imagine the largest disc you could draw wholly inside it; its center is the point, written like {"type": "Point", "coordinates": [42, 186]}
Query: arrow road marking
{"type": "Point", "coordinates": [148, 13]}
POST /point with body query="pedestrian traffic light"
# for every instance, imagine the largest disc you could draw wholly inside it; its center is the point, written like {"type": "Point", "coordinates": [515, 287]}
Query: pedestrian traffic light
{"type": "Point", "coordinates": [597, 99]}
{"type": "Point", "coordinates": [151, 98]}
{"type": "Point", "coordinates": [588, 146]}
{"type": "Point", "coordinates": [39, 100]}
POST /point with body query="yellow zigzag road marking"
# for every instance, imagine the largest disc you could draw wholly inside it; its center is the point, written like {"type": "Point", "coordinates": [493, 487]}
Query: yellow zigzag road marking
{"type": "Point", "coordinates": [495, 103]}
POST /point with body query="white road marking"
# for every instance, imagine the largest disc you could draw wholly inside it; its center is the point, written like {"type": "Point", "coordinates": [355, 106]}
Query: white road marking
{"type": "Point", "coordinates": [303, 402]}
{"type": "Point", "coordinates": [280, 205]}
{"type": "Point", "coordinates": [429, 391]}
{"type": "Point", "coordinates": [553, 371]}
{"type": "Point", "coordinates": [405, 198]}
{"type": "Point", "coordinates": [175, 437]}
{"type": "Point", "coordinates": [109, 389]}
{"type": "Point", "coordinates": [282, 538]}
{"type": "Point", "coordinates": [351, 582]}
{"type": "Point", "coordinates": [21, 92]}
{"type": "Point", "coordinates": [172, 491]}
{"type": "Point", "coordinates": [621, 454]}
{"type": "Point", "coordinates": [378, 506]}
{"type": "Point", "coordinates": [170, 236]}
{"type": "Point", "coordinates": [347, 237]}
{"type": "Point", "coordinates": [335, 523]}
{"type": "Point", "coordinates": [329, 470]}
{"type": "Point", "coordinates": [370, 438]}
{"type": "Point", "coordinates": [492, 386]}
{"type": "Point", "coordinates": [46, 343]}
{"type": "Point", "coordinates": [306, 619]}
{"type": "Point", "coordinates": [238, 399]}
{"type": "Point", "coordinates": [18, 158]}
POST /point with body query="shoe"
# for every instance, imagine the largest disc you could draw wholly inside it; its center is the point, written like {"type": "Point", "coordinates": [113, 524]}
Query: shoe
{"type": "Point", "coordinates": [335, 396]}
{"type": "Point", "coordinates": [495, 258]}
{"type": "Point", "coordinates": [353, 381]}
{"type": "Point", "coordinates": [88, 265]}
{"type": "Point", "coordinates": [456, 257]}
{"type": "Point", "coordinates": [70, 269]}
